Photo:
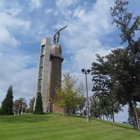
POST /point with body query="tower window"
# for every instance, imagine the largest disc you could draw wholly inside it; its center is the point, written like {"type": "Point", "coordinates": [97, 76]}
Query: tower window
{"type": "Point", "coordinates": [42, 49]}
{"type": "Point", "coordinates": [40, 72]}
{"type": "Point", "coordinates": [42, 61]}
{"type": "Point", "coordinates": [39, 84]}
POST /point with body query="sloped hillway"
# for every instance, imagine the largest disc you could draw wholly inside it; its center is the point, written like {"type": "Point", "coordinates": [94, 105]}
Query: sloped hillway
{"type": "Point", "coordinates": [57, 127]}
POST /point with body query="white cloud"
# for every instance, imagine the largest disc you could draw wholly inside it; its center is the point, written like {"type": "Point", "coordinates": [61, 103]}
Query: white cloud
{"type": "Point", "coordinates": [7, 38]}
{"type": "Point", "coordinates": [83, 58]}
{"type": "Point", "coordinates": [65, 3]}
{"type": "Point", "coordinates": [8, 20]}
{"type": "Point", "coordinates": [9, 24]}
{"type": "Point", "coordinates": [15, 72]}
{"type": "Point", "coordinates": [79, 12]}
{"type": "Point", "coordinates": [48, 11]}
{"type": "Point", "coordinates": [89, 25]}
{"type": "Point", "coordinates": [35, 4]}
{"type": "Point", "coordinates": [63, 7]}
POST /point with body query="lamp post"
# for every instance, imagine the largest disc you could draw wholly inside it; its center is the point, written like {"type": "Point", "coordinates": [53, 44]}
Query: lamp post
{"type": "Point", "coordinates": [86, 71]}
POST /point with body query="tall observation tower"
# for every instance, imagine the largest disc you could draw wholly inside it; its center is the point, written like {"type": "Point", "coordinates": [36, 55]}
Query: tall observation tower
{"type": "Point", "coordinates": [49, 72]}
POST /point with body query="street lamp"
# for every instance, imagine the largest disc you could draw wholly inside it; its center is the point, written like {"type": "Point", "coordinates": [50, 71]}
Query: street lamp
{"type": "Point", "coordinates": [86, 71]}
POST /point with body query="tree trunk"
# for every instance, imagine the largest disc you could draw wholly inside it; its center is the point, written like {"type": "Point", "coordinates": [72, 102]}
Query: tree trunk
{"type": "Point", "coordinates": [107, 117]}
{"type": "Point", "coordinates": [64, 112]}
{"type": "Point", "coordinates": [135, 126]}
{"type": "Point", "coordinates": [113, 117]}
{"type": "Point", "coordinates": [68, 112]}
{"type": "Point", "coordinates": [136, 114]}
{"type": "Point", "coordinates": [131, 106]}
{"type": "Point", "coordinates": [113, 114]}
{"type": "Point", "coordinates": [103, 117]}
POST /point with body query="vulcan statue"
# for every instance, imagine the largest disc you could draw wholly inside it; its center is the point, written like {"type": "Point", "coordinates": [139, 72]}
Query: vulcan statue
{"type": "Point", "coordinates": [57, 35]}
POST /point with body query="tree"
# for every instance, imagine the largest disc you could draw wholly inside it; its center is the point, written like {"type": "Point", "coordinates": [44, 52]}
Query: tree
{"type": "Point", "coordinates": [7, 103]}
{"type": "Point", "coordinates": [138, 112]}
{"type": "Point", "coordinates": [130, 67]}
{"type": "Point", "coordinates": [95, 109]}
{"type": "Point", "coordinates": [0, 111]}
{"type": "Point", "coordinates": [115, 73]}
{"type": "Point", "coordinates": [102, 105]}
{"type": "Point", "coordinates": [20, 106]}
{"type": "Point", "coordinates": [104, 88]}
{"type": "Point", "coordinates": [31, 105]}
{"type": "Point", "coordinates": [80, 106]}
{"type": "Point", "coordinates": [38, 106]}
{"type": "Point", "coordinates": [119, 72]}
{"type": "Point", "coordinates": [114, 106]}
{"type": "Point", "coordinates": [120, 76]}
{"type": "Point", "coordinates": [67, 96]}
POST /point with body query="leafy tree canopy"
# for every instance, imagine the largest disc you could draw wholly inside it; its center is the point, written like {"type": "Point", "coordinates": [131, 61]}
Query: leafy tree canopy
{"type": "Point", "coordinates": [68, 96]}
{"type": "Point", "coordinates": [119, 71]}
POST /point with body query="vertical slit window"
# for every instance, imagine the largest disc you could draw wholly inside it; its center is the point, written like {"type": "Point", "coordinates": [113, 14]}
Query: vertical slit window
{"type": "Point", "coordinates": [40, 72]}
{"type": "Point", "coordinates": [42, 61]}
{"type": "Point", "coordinates": [43, 49]}
{"type": "Point", "coordinates": [39, 84]}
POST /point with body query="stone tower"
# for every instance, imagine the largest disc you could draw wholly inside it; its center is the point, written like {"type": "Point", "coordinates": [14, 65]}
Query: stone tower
{"type": "Point", "coordinates": [56, 60]}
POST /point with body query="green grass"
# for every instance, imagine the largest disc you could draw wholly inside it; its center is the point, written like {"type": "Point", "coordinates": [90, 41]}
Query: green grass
{"type": "Point", "coordinates": [57, 127]}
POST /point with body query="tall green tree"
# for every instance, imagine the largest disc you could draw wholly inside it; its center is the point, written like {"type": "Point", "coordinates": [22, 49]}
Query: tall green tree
{"type": "Point", "coordinates": [129, 67]}
{"type": "Point", "coordinates": [119, 72]}
{"type": "Point", "coordinates": [68, 96]}
{"type": "Point", "coordinates": [7, 103]}
{"type": "Point", "coordinates": [104, 88]}
{"type": "Point", "coordinates": [115, 73]}
{"type": "Point", "coordinates": [39, 104]}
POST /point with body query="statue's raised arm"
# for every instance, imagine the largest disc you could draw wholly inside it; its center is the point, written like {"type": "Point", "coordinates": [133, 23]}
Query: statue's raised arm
{"type": "Point", "coordinates": [57, 35]}
{"type": "Point", "coordinates": [62, 28]}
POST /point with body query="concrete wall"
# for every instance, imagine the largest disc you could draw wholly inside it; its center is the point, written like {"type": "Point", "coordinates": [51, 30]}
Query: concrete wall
{"type": "Point", "coordinates": [43, 71]}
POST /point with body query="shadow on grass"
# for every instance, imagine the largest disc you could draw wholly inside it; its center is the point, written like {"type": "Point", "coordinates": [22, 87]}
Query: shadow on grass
{"type": "Point", "coordinates": [122, 126]}
{"type": "Point", "coordinates": [115, 124]}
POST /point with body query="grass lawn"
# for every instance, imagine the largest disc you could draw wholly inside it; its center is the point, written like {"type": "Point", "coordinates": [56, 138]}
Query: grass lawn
{"type": "Point", "coordinates": [57, 127]}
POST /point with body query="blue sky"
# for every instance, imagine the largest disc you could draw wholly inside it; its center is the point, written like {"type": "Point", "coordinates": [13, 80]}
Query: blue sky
{"type": "Point", "coordinates": [23, 24]}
